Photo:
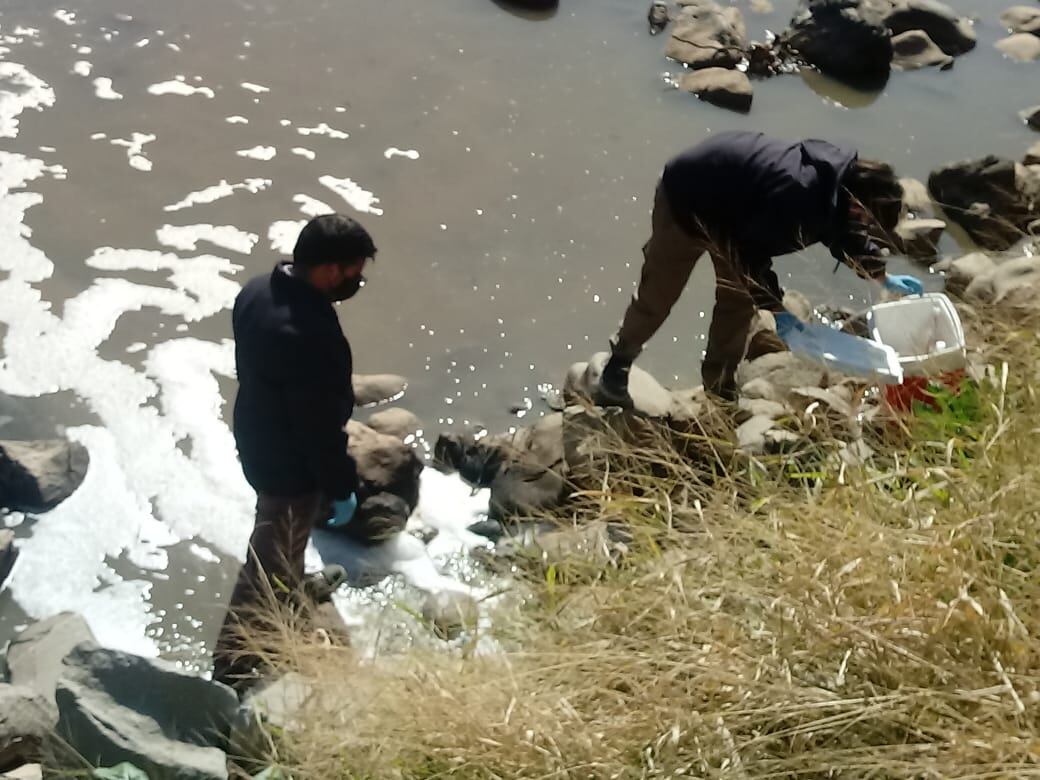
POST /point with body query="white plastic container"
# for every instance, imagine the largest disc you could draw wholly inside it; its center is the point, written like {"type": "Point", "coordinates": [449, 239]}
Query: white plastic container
{"type": "Point", "coordinates": [925, 332]}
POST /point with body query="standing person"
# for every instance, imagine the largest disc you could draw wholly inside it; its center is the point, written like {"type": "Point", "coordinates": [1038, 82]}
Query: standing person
{"type": "Point", "coordinates": [294, 400]}
{"type": "Point", "coordinates": [745, 198]}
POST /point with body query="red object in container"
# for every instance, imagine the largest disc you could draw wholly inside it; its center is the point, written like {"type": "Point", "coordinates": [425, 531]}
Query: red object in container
{"type": "Point", "coordinates": [916, 388]}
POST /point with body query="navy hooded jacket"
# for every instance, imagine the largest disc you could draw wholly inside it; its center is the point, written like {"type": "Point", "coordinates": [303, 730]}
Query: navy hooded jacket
{"type": "Point", "coordinates": [762, 197]}
{"type": "Point", "coordinates": [294, 389]}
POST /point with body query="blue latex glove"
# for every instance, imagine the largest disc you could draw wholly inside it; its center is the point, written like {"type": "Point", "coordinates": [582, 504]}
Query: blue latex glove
{"type": "Point", "coordinates": [902, 284]}
{"type": "Point", "coordinates": [342, 512]}
{"type": "Point", "coordinates": [786, 323]}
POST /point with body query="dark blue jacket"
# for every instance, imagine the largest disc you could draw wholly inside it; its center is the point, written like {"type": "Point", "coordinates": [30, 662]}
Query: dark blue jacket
{"type": "Point", "coordinates": [765, 197]}
{"type": "Point", "coordinates": [294, 389]}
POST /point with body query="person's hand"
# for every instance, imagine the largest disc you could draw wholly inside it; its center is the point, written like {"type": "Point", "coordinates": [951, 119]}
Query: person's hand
{"type": "Point", "coordinates": [342, 512]}
{"type": "Point", "coordinates": [786, 323]}
{"type": "Point", "coordinates": [902, 284]}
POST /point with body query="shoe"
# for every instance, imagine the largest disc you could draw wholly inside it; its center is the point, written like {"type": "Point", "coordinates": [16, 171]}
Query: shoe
{"type": "Point", "coordinates": [613, 384]}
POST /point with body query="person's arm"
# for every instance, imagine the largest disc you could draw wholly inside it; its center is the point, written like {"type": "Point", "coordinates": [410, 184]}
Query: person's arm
{"type": "Point", "coordinates": [315, 396]}
{"type": "Point", "coordinates": [861, 254]}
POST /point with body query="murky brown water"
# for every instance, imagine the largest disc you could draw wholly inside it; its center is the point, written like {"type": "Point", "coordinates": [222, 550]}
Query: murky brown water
{"type": "Point", "coordinates": [507, 249]}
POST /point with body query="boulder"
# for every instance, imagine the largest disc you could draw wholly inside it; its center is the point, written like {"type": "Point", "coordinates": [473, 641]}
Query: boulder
{"type": "Point", "coordinates": [1033, 155]}
{"type": "Point", "coordinates": [449, 614]}
{"type": "Point", "coordinates": [1031, 116]}
{"type": "Point", "coordinates": [370, 389]}
{"type": "Point", "coordinates": [1016, 281]}
{"type": "Point", "coordinates": [961, 272]}
{"type": "Point", "coordinates": [914, 49]}
{"type": "Point", "coordinates": [116, 707]}
{"type": "Point", "coordinates": [385, 464]}
{"type": "Point", "coordinates": [920, 237]}
{"type": "Point", "coordinates": [1022, 47]}
{"type": "Point", "coordinates": [721, 87]}
{"type": "Point", "coordinates": [1022, 19]}
{"type": "Point", "coordinates": [982, 196]}
{"type": "Point", "coordinates": [954, 34]}
{"type": "Point", "coordinates": [707, 35]}
{"type": "Point", "coordinates": [658, 16]}
{"type": "Point", "coordinates": [34, 657]}
{"type": "Point", "coordinates": [399, 423]}
{"type": "Point", "coordinates": [36, 476]}
{"type": "Point", "coordinates": [846, 39]}
{"type": "Point", "coordinates": [532, 475]}
{"type": "Point", "coordinates": [648, 396]}
{"type": "Point", "coordinates": [773, 377]}
{"type": "Point", "coordinates": [8, 554]}
{"type": "Point", "coordinates": [477, 462]}
{"type": "Point", "coordinates": [26, 721]}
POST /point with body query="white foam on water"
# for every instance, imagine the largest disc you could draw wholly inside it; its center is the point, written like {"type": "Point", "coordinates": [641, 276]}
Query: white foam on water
{"type": "Point", "coordinates": [68, 17]}
{"type": "Point", "coordinates": [356, 196]}
{"type": "Point", "coordinates": [29, 92]}
{"type": "Point", "coordinates": [142, 43]}
{"type": "Point", "coordinates": [187, 237]}
{"type": "Point", "coordinates": [393, 151]}
{"type": "Point", "coordinates": [180, 88]}
{"type": "Point", "coordinates": [237, 120]}
{"type": "Point", "coordinates": [173, 47]}
{"type": "Point", "coordinates": [451, 506]}
{"type": "Point", "coordinates": [312, 207]}
{"type": "Point", "coordinates": [134, 148]}
{"type": "Point", "coordinates": [98, 136]}
{"type": "Point", "coordinates": [323, 129]}
{"type": "Point", "coordinates": [218, 191]}
{"type": "Point", "coordinates": [103, 89]}
{"type": "Point", "coordinates": [257, 88]}
{"type": "Point", "coordinates": [203, 553]}
{"type": "Point", "coordinates": [62, 565]}
{"type": "Point", "coordinates": [282, 235]}
{"type": "Point", "coordinates": [264, 153]}
{"type": "Point", "coordinates": [84, 50]}
{"type": "Point", "coordinates": [137, 346]}
{"type": "Point", "coordinates": [299, 150]}
{"type": "Point", "coordinates": [82, 68]}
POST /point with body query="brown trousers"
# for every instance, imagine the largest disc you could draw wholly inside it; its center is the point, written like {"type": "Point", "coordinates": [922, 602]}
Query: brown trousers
{"type": "Point", "coordinates": [272, 576]}
{"type": "Point", "coordinates": [669, 258]}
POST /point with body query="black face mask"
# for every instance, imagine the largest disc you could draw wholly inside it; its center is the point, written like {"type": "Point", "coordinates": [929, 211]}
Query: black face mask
{"type": "Point", "coordinates": [348, 288]}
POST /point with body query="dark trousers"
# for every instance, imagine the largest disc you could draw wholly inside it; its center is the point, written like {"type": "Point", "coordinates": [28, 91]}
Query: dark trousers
{"type": "Point", "coordinates": [271, 577]}
{"type": "Point", "coordinates": [669, 258]}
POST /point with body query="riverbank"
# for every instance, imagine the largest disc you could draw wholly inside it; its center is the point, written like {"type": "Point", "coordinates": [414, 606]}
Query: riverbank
{"type": "Point", "coordinates": [776, 615]}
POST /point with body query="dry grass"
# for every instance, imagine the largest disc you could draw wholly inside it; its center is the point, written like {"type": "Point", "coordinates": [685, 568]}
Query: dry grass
{"type": "Point", "coordinates": [778, 618]}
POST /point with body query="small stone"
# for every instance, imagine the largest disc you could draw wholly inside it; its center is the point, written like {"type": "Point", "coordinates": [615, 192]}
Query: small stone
{"type": "Point", "coordinates": [920, 237]}
{"type": "Point", "coordinates": [914, 49]}
{"type": "Point", "coordinates": [26, 721]}
{"type": "Point", "coordinates": [1022, 19]}
{"type": "Point", "coordinates": [657, 16]}
{"type": "Point", "coordinates": [36, 476]}
{"type": "Point", "coordinates": [721, 87]}
{"type": "Point", "coordinates": [1031, 116]}
{"type": "Point", "coordinates": [954, 34]}
{"type": "Point", "coordinates": [371, 389]}
{"type": "Point", "coordinates": [8, 554]}
{"type": "Point", "coordinates": [707, 35]}
{"type": "Point", "coordinates": [1033, 155]}
{"type": "Point", "coordinates": [1020, 46]}
{"type": "Point", "coordinates": [751, 435]}
{"type": "Point", "coordinates": [449, 613]}
{"type": "Point", "coordinates": [399, 423]}
{"type": "Point", "coordinates": [916, 200]}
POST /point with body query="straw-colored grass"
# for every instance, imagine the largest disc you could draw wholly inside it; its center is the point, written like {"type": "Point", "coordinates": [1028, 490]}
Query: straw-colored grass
{"type": "Point", "coordinates": [783, 617]}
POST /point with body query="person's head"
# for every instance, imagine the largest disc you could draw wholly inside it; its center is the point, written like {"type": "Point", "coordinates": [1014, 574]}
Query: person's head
{"type": "Point", "coordinates": [331, 253]}
{"type": "Point", "coordinates": [876, 194]}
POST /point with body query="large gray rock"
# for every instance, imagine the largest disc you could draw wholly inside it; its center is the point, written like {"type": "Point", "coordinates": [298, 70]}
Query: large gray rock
{"type": "Point", "coordinates": [385, 464]}
{"type": "Point", "coordinates": [847, 39]}
{"type": "Point", "coordinates": [1033, 155]}
{"type": "Point", "coordinates": [449, 613]}
{"type": "Point", "coordinates": [916, 200]}
{"type": "Point", "coordinates": [532, 474]}
{"type": "Point", "coordinates": [116, 707]}
{"type": "Point", "coordinates": [8, 554]}
{"type": "Point", "coordinates": [34, 657]}
{"type": "Point", "coordinates": [27, 719]}
{"type": "Point", "coordinates": [648, 396]}
{"type": "Point", "coordinates": [721, 87]}
{"type": "Point", "coordinates": [914, 49]}
{"type": "Point", "coordinates": [1021, 47]}
{"type": "Point", "coordinates": [379, 518]}
{"type": "Point", "coordinates": [953, 34]}
{"type": "Point", "coordinates": [707, 35]}
{"type": "Point", "coordinates": [983, 197]}
{"type": "Point", "coordinates": [920, 237]}
{"type": "Point", "coordinates": [36, 476]}
{"type": "Point", "coordinates": [1022, 19]}
{"type": "Point", "coordinates": [370, 389]}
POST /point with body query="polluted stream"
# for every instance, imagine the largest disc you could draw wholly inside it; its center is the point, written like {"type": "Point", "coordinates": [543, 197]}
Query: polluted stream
{"type": "Point", "coordinates": [157, 155]}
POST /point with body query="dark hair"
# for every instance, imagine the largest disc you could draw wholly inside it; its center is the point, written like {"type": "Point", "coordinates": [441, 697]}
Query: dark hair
{"type": "Point", "coordinates": [874, 184]}
{"type": "Point", "coordinates": [332, 238]}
